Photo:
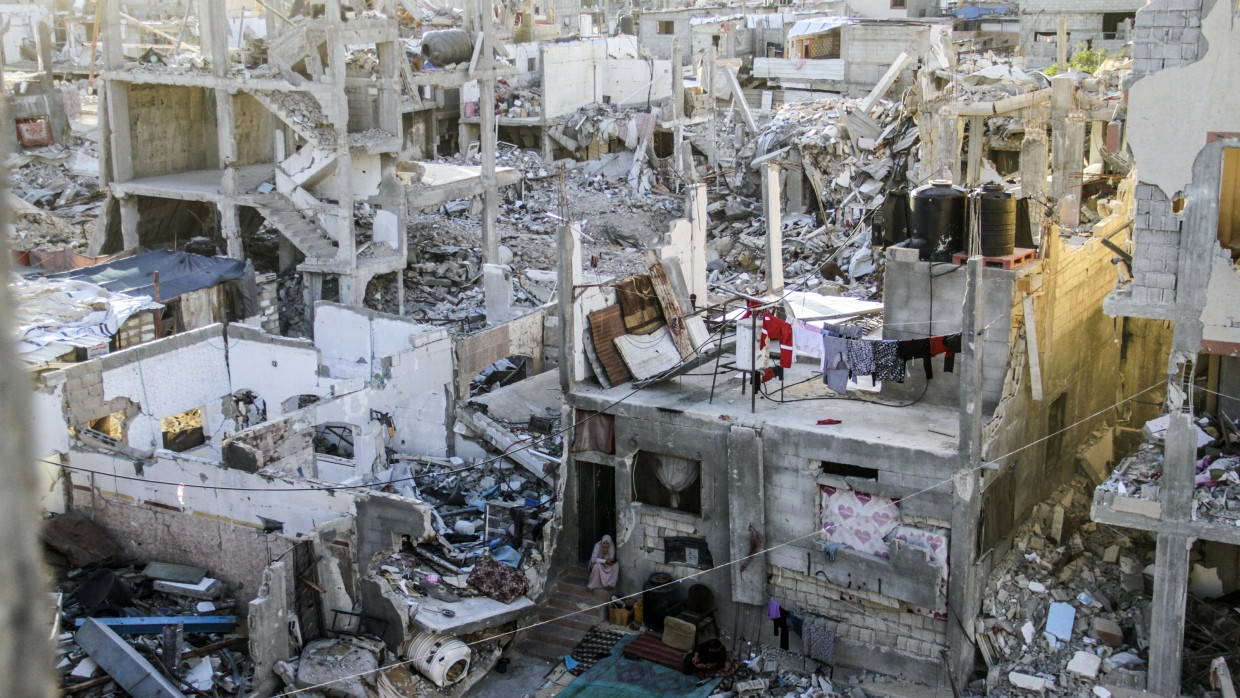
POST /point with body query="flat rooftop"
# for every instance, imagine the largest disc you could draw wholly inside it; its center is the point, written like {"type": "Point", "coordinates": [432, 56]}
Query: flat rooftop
{"type": "Point", "coordinates": [932, 429]}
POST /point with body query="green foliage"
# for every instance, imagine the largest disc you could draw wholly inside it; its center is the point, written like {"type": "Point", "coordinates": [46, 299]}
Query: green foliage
{"type": "Point", "coordinates": [1084, 59]}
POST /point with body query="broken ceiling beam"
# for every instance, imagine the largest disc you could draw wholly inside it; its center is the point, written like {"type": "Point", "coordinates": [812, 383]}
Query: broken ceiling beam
{"type": "Point", "coordinates": [739, 97]}
{"type": "Point", "coordinates": [150, 625]}
{"type": "Point", "coordinates": [885, 83]}
{"type": "Point", "coordinates": [505, 441]}
{"type": "Point", "coordinates": [123, 663]}
{"type": "Point", "coordinates": [1005, 105]}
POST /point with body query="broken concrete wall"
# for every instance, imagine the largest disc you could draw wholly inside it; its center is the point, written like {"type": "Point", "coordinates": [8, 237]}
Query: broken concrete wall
{"type": "Point", "coordinates": [203, 369]}
{"type": "Point", "coordinates": [254, 130]}
{"type": "Point", "coordinates": [282, 447]}
{"type": "Point", "coordinates": [234, 552]}
{"type": "Point", "coordinates": [584, 73]}
{"type": "Point", "coordinates": [1170, 37]}
{"type": "Point", "coordinates": [408, 366]}
{"type": "Point", "coordinates": [869, 49]}
{"type": "Point", "coordinates": [523, 336]}
{"type": "Point", "coordinates": [921, 303]}
{"type": "Point", "coordinates": [1074, 338]}
{"type": "Point", "coordinates": [297, 505]}
{"type": "Point", "coordinates": [1084, 24]}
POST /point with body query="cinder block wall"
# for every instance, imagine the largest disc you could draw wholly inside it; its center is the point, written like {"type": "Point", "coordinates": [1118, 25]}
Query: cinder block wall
{"type": "Point", "coordinates": [1167, 34]}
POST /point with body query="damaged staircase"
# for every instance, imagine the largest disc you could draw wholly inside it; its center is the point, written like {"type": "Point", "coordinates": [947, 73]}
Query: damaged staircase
{"type": "Point", "coordinates": [308, 236]}
{"type": "Point", "coordinates": [559, 632]}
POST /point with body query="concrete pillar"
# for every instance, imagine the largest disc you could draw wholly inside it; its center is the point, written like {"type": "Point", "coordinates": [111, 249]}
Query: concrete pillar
{"type": "Point", "coordinates": [1097, 138]}
{"type": "Point", "coordinates": [129, 222]}
{"type": "Point", "coordinates": [1061, 44]}
{"type": "Point", "coordinates": [746, 508]}
{"type": "Point", "coordinates": [497, 288]}
{"type": "Point", "coordinates": [486, 120]}
{"type": "Point", "coordinates": [697, 241]}
{"type": "Point", "coordinates": [1167, 617]}
{"type": "Point", "coordinates": [213, 25]}
{"type": "Point", "coordinates": [946, 151]}
{"type": "Point", "coordinates": [1033, 176]}
{"type": "Point", "coordinates": [774, 229]}
{"type": "Point", "coordinates": [312, 290]}
{"type": "Point", "coordinates": [709, 74]}
{"type": "Point", "coordinates": [678, 109]}
{"type": "Point", "coordinates": [288, 255]}
{"type": "Point", "coordinates": [1068, 168]}
{"type": "Point", "coordinates": [964, 579]}
{"type": "Point", "coordinates": [568, 276]}
{"type": "Point", "coordinates": [230, 229]}
{"type": "Point", "coordinates": [977, 135]}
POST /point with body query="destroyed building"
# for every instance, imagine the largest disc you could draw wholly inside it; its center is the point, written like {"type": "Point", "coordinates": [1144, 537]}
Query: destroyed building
{"type": "Point", "coordinates": [391, 311]}
{"type": "Point", "coordinates": [1176, 480]}
{"type": "Point", "coordinates": [689, 470]}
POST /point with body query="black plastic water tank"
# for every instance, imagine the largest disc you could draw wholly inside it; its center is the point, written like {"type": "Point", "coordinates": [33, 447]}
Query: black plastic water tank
{"type": "Point", "coordinates": [658, 596]}
{"type": "Point", "coordinates": [938, 220]}
{"type": "Point", "coordinates": [996, 220]}
{"type": "Point", "coordinates": [447, 46]}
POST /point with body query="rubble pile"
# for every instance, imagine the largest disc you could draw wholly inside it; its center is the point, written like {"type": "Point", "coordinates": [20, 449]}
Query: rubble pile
{"type": "Point", "coordinates": [144, 604]}
{"type": "Point", "coordinates": [517, 102]}
{"type": "Point", "coordinates": [1217, 493]}
{"type": "Point", "coordinates": [497, 511]}
{"type": "Point", "coordinates": [1067, 609]}
{"type": "Point", "coordinates": [55, 196]}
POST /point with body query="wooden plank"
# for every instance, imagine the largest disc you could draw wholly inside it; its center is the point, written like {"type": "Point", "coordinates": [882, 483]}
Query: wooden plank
{"type": "Point", "coordinates": [668, 301]}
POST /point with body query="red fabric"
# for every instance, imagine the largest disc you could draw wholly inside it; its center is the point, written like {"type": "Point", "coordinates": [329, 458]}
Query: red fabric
{"type": "Point", "coordinates": [829, 422]}
{"type": "Point", "coordinates": [937, 346]}
{"type": "Point", "coordinates": [775, 329]}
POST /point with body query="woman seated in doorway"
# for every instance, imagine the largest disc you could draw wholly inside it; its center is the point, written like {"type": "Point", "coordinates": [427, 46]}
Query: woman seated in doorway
{"type": "Point", "coordinates": [603, 569]}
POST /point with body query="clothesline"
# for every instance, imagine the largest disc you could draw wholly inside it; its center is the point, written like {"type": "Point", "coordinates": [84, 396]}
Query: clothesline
{"type": "Point", "coordinates": [844, 354]}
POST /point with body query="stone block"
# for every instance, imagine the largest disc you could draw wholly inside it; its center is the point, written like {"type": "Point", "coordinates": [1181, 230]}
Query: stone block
{"type": "Point", "coordinates": [1027, 682]}
{"type": "Point", "coordinates": [1085, 664]}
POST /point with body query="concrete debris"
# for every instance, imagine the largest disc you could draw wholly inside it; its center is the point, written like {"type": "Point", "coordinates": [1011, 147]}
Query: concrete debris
{"type": "Point", "coordinates": [1096, 628]}
{"type": "Point", "coordinates": [122, 614]}
{"type": "Point", "coordinates": [338, 667]}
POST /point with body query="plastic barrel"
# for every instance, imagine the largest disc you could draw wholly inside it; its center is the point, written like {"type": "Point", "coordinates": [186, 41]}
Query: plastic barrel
{"type": "Point", "coordinates": [657, 599]}
{"type": "Point", "coordinates": [447, 46]}
{"type": "Point", "coordinates": [938, 220]}
{"type": "Point", "coordinates": [996, 220]}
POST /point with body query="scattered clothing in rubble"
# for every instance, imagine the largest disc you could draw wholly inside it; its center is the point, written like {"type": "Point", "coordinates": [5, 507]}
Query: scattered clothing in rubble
{"type": "Point", "coordinates": [497, 580]}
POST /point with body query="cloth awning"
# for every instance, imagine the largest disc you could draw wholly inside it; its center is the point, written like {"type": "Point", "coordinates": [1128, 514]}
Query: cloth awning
{"type": "Point", "coordinates": [818, 25]}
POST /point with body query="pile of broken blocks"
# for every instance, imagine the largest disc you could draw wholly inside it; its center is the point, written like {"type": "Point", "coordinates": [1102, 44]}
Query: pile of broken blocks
{"type": "Point", "coordinates": [1067, 609]}
{"type": "Point", "coordinates": [119, 624]}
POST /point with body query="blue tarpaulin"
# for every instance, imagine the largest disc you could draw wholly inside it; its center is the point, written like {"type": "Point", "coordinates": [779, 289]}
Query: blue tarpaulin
{"type": "Point", "coordinates": [179, 273]}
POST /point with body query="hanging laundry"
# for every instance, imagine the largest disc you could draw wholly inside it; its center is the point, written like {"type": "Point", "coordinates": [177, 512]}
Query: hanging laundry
{"type": "Point", "coordinates": [860, 358]}
{"type": "Point", "coordinates": [806, 340]}
{"type": "Point", "coordinates": [887, 363]}
{"type": "Point", "coordinates": [796, 624]}
{"type": "Point", "coordinates": [910, 349]}
{"type": "Point", "coordinates": [835, 363]}
{"type": "Point", "coordinates": [949, 345]}
{"type": "Point", "coordinates": [772, 608]}
{"type": "Point", "coordinates": [780, 331]}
